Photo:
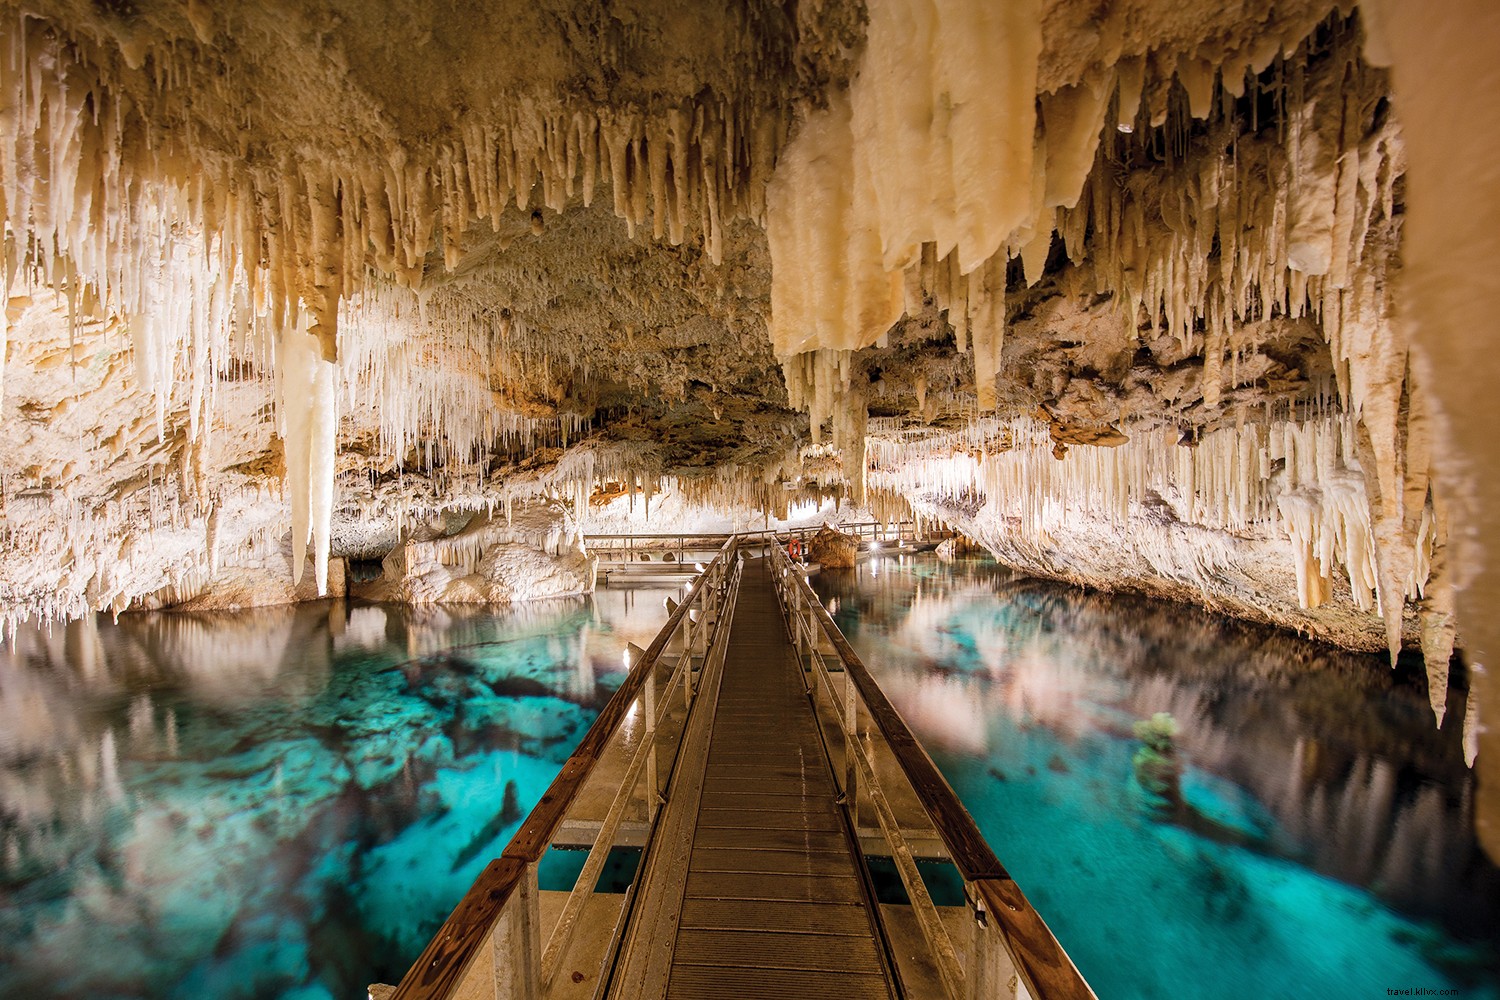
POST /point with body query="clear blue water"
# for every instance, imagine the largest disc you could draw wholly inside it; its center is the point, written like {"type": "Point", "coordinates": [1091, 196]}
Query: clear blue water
{"type": "Point", "coordinates": [281, 803]}
{"type": "Point", "coordinates": [285, 803]}
{"type": "Point", "coordinates": [1323, 847]}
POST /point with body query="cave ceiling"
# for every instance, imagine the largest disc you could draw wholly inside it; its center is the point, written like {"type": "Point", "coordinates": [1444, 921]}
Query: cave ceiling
{"type": "Point", "coordinates": [380, 258]}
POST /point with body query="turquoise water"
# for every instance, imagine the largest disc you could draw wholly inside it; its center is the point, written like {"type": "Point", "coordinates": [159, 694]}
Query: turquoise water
{"type": "Point", "coordinates": [281, 803]}
{"type": "Point", "coordinates": [1322, 843]}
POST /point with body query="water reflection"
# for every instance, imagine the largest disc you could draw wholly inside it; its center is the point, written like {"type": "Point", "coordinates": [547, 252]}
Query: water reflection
{"type": "Point", "coordinates": [282, 802]}
{"type": "Point", "coordinates": [1316, 793]}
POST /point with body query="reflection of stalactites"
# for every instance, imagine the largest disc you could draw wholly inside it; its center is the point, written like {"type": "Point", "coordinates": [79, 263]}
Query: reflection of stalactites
{"type": "Point", "coordinates": [142, 719]}
{"type": "Point", "coordinates": [85, 649]}
{"type": "Point", "coordinates": [109, 768]}
{"type": "Point", "coordinates": [1471, 717]}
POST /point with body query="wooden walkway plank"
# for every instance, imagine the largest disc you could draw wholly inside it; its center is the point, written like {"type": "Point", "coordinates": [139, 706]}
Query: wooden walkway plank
{"type": "Point", "coordinates": [775, 903]}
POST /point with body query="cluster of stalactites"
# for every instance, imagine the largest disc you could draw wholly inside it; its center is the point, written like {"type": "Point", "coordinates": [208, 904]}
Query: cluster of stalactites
{"type": "Point", "coordinates": [92, 208]}
{"type": "Point", "coordinates": [70, 557]}
{"type": "Point", "coordinates": [594, 473]}
{"type": "Point", "coordinates": [1299, 478]}
{"type": "Point", "coordinates": [691, 168]}
{"type": "Point", "coordinates": [203, 254]}
{"type": "Point", "coordinates": [941, 163]}
{"type": "Point", "coordinates": [942, 153]}
{"type": "Point", "coordinates": [819, 382]}
{"type": "Point", "coordinates": [1244, 225]}
{"type": "Point", "coordinates": [1192, 228]}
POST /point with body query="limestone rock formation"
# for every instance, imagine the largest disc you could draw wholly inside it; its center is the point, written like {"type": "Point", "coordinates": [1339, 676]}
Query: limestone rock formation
{"type": "Point", "coordinates": [1129, 293]}
{"type": "Point", "coordinates": [536, 552]}
{"type": "Point", "coordinates": [832, 549]}
{"type": "Point", "coordinates": [256, 579]}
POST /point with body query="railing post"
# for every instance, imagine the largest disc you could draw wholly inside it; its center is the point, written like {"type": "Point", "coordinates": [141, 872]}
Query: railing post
{"type": "Point", "coordinates": [516, 943]}
{"type": "Point", "coordinates": [992, 973]}
{"type": "Point", "coordinates": [649, 701]}
{"type": "Point", "coordinates": [812, 654]}
{"type": "Point", "coordinates": [851, 747]}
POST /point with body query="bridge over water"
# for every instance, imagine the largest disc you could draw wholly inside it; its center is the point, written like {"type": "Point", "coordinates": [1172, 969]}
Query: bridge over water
{"type": "Point", "coordinates": [760, 782]}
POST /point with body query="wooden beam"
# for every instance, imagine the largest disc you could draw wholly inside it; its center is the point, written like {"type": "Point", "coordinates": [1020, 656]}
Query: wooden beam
{"type": "Point", "coordinates": [448, 957]}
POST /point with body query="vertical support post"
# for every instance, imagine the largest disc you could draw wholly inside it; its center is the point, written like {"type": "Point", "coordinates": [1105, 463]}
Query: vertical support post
{"type": "Point", "coordinates": [516, 943]}
{"type": "Point", "coordinates": [814, 641]}
{"type": "Point", "coordinates": [992, 972]}
{"type": "Point", "coordinates": [851, 747]}
{"type": "Point", "coordinates": [812, 651]}
{"type": "Point", "coordinates": [649, 703]}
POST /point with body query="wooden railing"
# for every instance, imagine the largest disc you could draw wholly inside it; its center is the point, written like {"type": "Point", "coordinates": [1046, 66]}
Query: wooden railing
{"type": "Point", "coordinates": [1009, 933]}
{"type": "Point", "coordinates": [491, 944]}
{"type": "Point", "coordinates": [686, 541]}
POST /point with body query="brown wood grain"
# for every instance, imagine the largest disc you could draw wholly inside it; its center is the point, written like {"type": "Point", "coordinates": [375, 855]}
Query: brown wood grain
{"type": "Point", "coordinates": [1048, 972]}
{"type": "Point", "coordinates": [442, 964]}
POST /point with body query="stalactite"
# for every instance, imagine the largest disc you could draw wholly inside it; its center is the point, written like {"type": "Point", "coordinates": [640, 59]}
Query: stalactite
{"type": "Point", "coordinates": [195, 245]}
{"type": "Point", "coordinates": [1237, 226]}
{"type": "Point", "coordinates": [1472, 725]}
{"type": "Point", "coordinates": [1296, 476]}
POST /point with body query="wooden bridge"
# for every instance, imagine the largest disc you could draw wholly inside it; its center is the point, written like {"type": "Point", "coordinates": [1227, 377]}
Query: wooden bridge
{"type": "Point", "coordinates": [756, 770]}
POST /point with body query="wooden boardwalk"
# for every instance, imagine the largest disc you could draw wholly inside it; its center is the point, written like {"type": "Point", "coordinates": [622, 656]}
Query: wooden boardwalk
{"type": "Point", "coordinates": [751, 882]}
{"type": "Point", "coordinates": [773, 900]}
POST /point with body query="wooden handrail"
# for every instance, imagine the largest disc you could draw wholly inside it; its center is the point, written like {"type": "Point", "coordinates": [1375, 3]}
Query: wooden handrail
{"type": "Point", "coordinates": [967, 847]}
{"type": "Point", "coordinates": [1049, 973]}
{"type": "Point", "coordinates": [448, 956]}
{"type": "Point", "coordinates": [1040, 960]}
{"type": "Point", "coordinates": [531, 840]}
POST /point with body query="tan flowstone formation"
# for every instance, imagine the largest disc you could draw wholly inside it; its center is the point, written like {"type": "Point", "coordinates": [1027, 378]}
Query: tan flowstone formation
{"type": "Point", "coordinates": [1127, 296]}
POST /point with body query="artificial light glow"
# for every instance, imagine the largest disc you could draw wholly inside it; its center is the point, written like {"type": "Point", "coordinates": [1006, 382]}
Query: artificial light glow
{"type": "Point", "coordinates": [874, 546]}
{"type": "Point", "coordinates": [805, 508]}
